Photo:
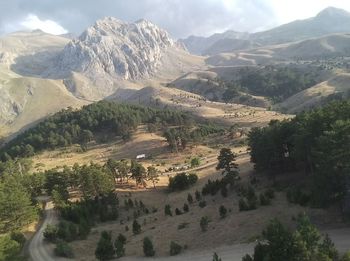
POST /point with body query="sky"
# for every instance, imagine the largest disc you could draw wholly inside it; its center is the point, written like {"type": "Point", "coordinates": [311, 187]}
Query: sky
{"type": "Point", "coordinates": [180, 18]}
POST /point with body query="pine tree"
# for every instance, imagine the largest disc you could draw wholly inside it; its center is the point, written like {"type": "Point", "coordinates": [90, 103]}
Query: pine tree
{"type": "Point", "coordinates": [148, 249]}
{"type": "Point", "coordinates": [136, 227]}
{"type": "Point", "coordinates": [105, 249]}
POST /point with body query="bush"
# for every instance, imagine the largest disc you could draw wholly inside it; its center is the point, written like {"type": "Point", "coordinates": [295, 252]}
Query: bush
{"type": "Point", "coordinates": [270, 193]}
{"type": "Point", "coordinates": [62, 249]}
{"type": "Point", "coordinates": [119, 248]}
{"type": "Point", "coordinates": [167, 210]}
{"type": "Point", "coordinates": [148, 249]}
{"type": "Point", "coordinates": [51, 233]}
{"type": "Point", "coordinates": [186, 208]}
{"type": "Point", "coordinates": [136, 227]}
{"type": "Point", "coordinates": [192, 179]}
{"type": "Point", "coordinates": [198, 195]}
{"type": "Point", "coordinates": [264, 201]}
{"type": "Point", "coordinates": [195, 162]}
{"type": "Point", "coordinates": [223, 191]}
{"type": "Point", "coordinates": [212, 187]}
{"type": "Point", "coordinates": [216, 257]}
{"type": "Point", "coordinates": [122, 239]}
{"type": "Point", "coordinates": [182, 181]}
{"type": "Point", "coordinates": [18, 237]}
{"type": "Point", "coordinates": [175, 248]}
{"type": "Point", "coordinates": [178, 212]}
{"type": "Point", "coordinates": [119, 245]}
{"type": "Point", "coordinates": [189, 198]}
{"type": "Point", "coordinates": [182, 225]}
{"type": "Point", "coordinates": [346, 256]}
{"type": "Point", "coordinates": [247, 258]}
{"type": "Point", "coordinates": [202, 204]}
{"type": "Point", "coordinates": [204, 223]}
{"type": "Point", "coordinates": [9, 248]}
{"type": "Point", "coordinates": [297, 196]}
{"type": "Point", "coordinates": [243, 205]}
{"type": "Point", "coordinates": [222, 211]}
{"type": "Point", "coordinates": [105, 249]}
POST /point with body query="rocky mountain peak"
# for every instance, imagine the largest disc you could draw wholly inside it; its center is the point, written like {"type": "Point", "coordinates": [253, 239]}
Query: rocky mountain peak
{"type": "Point", "coordinates": [123, 50]}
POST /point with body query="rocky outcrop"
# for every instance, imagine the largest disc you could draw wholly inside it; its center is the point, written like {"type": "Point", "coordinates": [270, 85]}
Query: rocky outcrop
{"type": "Point", "coordinates": [128, 51]}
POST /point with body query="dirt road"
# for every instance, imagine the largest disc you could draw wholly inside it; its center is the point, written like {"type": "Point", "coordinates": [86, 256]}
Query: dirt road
{"type": "Point", "coordinates": [39, 250]}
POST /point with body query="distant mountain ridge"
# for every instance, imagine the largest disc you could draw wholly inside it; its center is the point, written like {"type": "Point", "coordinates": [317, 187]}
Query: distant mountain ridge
{"type": "Point", "coordinates": [329, 21]}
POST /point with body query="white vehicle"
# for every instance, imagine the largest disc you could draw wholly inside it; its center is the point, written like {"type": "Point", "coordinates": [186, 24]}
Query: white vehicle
{"type": "Point", "coordinates": [141, 156]}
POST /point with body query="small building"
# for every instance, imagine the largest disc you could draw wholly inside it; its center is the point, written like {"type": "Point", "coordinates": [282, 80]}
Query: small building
{"type": "Point", "coordinates": [141, 156]}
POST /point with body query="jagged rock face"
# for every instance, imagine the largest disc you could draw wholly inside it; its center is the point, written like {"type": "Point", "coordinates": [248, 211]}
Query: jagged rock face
{"type": "Point", "coordinates": [129, 51]}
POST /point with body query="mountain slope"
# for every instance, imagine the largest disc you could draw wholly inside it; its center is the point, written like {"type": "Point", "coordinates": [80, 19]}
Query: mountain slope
{"type": "Point", "coordinates": [329, 21]}
{"type": "Point", "coordinates": [198, 44]}
{"type": "Point", "coordinates": [318, 48]}
{"type": "Point", "coordinates": [42, 73]}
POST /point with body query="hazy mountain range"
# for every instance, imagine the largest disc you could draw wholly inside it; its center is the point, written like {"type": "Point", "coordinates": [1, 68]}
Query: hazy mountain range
{"type": "Point", "coordinates": [329, 21]}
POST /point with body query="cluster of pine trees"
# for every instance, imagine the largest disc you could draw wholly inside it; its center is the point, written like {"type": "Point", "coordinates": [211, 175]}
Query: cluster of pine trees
{"type": "Point", "coordinates": [315, 142]}
{"type": "Point", "coordinates": [81, 126]}
{"type": "Point", "coordinates": [275, 82]}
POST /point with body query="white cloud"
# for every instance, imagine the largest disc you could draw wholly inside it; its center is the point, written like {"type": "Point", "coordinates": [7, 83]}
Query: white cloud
{"type": "Point", "coordinates": [32, 22]}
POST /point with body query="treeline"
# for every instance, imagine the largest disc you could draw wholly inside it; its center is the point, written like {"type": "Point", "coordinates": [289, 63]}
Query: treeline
{"type": "Point", "coordinates": [81, 126]}
{"type": "Point", "coordinates": [275, 82]}
{"type": "Point", "coordinates": [305, 243]}
{"type": "Point", "coordinates": [17, 208]}
{"type": "Point", "coordinates": [179, 137]}
{"type": "Point", "coordinates": [316, 143]}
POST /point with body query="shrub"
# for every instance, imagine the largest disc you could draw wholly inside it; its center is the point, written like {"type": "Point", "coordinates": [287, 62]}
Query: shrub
{"type": "Point", "coordinates": [204, 223]}
{"type": "Point", "coordinates": [182, 181]}
{"type": "Point", "coordinates": [175, 248]}
{"type": "Point", "coordinates": [119, 248]}
{"type": "Point", "coordinates": [122, 239]}
{"type": "Point", "coordinates": [195, 162]}
{"type": "Point", "coordinates": [243, 205]}
{"type": "Point", "coordinates": [192, 179]}
{"type": "Point", "coordinates": [167, 210]}
{"type": "Point", "coordinates": [224, 191]}
{"type": "Point", "coordinates": [264, 201]}
{"type": "Point", "coordinates": [136, 227]}
{"type": "Point", "coordinates": [202, 204]}
{"type": "Point", "coordinates": [148, 249]}
{"type": "Point", "coordinates": [189, 198]}
{"type": "Point", "coordinates": [247, 258]}
{"type": "Point", "coordinates": [119, 245]}
{"type": "Point", "coordinates": [198, 195]}
{"type": "Point", "coordinates": [182, 225]}
{"type": "Point", "coordinates": [186, 208]}
{"type": "Point", "coordinates": [216, 257]}
{"type": "Point", "coordinates": [346, 256]}
{"type": "Point", "coordinates": [18, 237]}
{"type": "Point", "coordinates": [178, 212]}
{"type": "Point", "coordinates": [212, 187]}
{"type": "Point", "coordinates": [222, 211]}
{"type": "Point", "coordinates": [297, 196]}
{"type": "Point", "coordinates": [50, 233]}
{"type": "Point", "coordinates": [104, 249]}
{"type": "Point", "coordinates": [62, 249]}
{"type": "Point", "coordinates": [270, 193]}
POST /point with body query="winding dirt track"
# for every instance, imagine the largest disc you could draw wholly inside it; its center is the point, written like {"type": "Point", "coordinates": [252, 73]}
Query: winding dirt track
{"type": "Point", "coordinates": [38, 248]}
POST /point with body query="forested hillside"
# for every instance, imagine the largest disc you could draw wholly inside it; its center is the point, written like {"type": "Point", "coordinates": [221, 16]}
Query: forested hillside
{"type": "Point", "coordinates": [81, 126]}
{"type": "Point", "coordinates": [316, 143]}
{"type": "Point", "coordinates": [275, 82]}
